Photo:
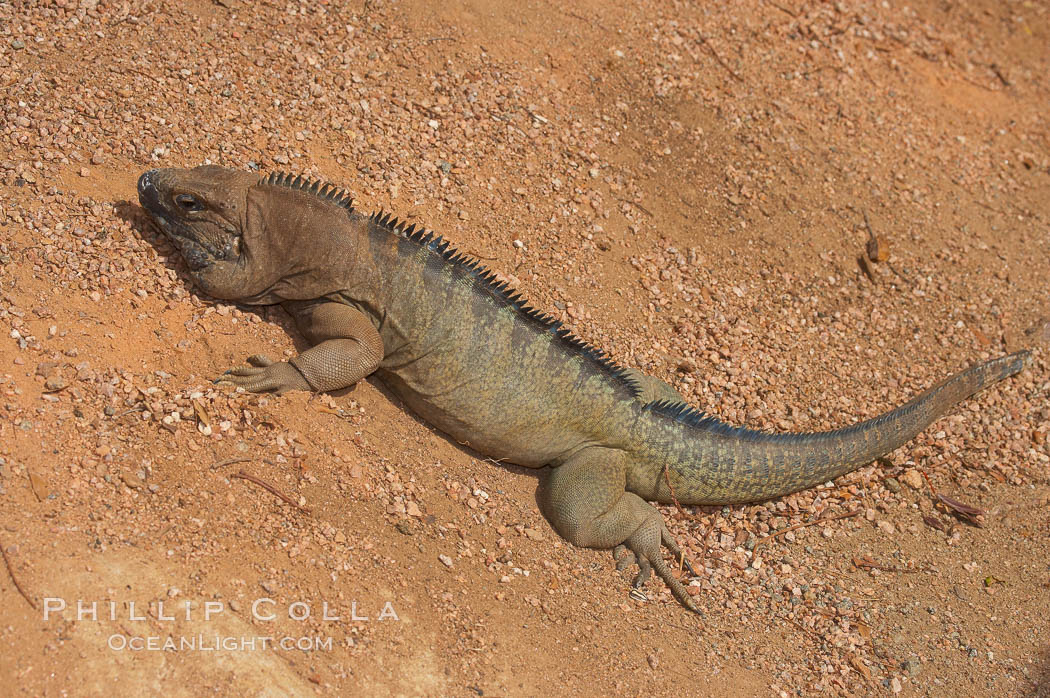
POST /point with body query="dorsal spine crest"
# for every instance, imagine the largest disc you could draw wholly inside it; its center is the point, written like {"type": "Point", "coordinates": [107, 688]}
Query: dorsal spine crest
{"type": "Point", "coordinates": [505, 293]}
{"type": "Point", "coordinates": [316, 187]}
{"type": "Point", "coordinates": [487, 278]}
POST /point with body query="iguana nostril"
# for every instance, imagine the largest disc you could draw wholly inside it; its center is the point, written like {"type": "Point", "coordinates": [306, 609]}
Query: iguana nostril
{"type": "Point", "coordinates": [146, 180]}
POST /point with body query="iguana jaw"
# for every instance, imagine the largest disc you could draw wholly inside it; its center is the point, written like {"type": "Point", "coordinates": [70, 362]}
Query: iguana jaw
{"type": "Point", "coordinates": [202, 239]}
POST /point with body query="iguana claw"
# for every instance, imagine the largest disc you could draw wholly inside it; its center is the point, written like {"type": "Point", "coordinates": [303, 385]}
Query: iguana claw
{"type": "Point", "coordinates": [650, 561]}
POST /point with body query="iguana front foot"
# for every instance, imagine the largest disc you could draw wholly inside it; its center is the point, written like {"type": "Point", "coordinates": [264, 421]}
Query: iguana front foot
{"type": "Point", "coordinates": [264, 375]}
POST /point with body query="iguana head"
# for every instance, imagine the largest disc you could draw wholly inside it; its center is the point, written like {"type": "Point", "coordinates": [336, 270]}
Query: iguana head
{"type": "Point", "coordinates": [245, 238]}
{"type": "Point", "coordinates": [202, 211]}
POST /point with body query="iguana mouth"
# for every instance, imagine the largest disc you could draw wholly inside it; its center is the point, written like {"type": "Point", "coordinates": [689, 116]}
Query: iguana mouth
{"type": "Point", "coordinates": [197, 253]}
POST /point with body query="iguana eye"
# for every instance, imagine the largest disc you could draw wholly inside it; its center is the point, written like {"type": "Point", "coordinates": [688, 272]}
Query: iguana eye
{"type": "Point", "coordinates": [188, 203]}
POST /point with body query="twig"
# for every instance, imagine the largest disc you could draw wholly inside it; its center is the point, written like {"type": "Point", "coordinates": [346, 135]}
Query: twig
{"type": "Point", "coordinates": [231, 461]}
{"type": "Point", "coordinates": [990, 208]}
{"type": "Point", "coordinates": [681, 556]}
{"type": "Point", "coordinates": [999, 74]}
{"type": "Point", "coordinates": [685, 514]}
{"type": "Point", "coordinates": [823, 519]}
{"type": "Point", "coordinates": [638, 206]}
{"type": "Point", "coordinates": [582, 18]}
{"type": "Point", "coordinates": [18, 585]}
{"type": "Point", "coordinates": [828, 570]}
{"type": "Point", "coordinates": [782, 8]}
{"type": "Point", "coordinates": [866, 563]}
{"type": "Point", "coordinates": [933, 490]}
{"type": "Point", "coordinates": [427, 110]}
{"type": "Point", "coordinates": [137, 408]}
{"type": "Point", "coordinates": [271, 489]}
{"type": "Point", "coordinates": [538, 117]}
{"type": "Point", "coordinates": [811, 631]}
{"type": "Point", "coordinates": [867, 224]}
{"type": "Point", "coordinates": [954, 506]}
{"type": "Point", "coordinates": [900, 276]}
{"type": "Point", "coordinates": [705, 42]}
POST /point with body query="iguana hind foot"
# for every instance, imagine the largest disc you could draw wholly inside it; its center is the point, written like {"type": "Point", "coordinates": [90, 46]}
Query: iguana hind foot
{"type": "Point", "coordinates": [589, 506]}
{"type": "Point", "coordinates": [625, 558]}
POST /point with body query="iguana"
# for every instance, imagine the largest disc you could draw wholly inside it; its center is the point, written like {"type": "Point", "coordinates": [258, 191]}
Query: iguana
{"type": "Point", "coordinates": [373, 295]}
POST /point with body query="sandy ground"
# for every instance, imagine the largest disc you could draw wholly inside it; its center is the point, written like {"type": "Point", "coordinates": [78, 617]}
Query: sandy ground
{"type": "Point", "coordinates": [687, 186]}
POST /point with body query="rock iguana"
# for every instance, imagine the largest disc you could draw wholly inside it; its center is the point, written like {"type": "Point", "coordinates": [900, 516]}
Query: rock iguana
{"type": "Point", "coordinates": [373, 295]}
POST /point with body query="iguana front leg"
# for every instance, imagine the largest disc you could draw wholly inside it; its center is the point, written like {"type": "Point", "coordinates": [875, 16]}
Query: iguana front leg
{"type": "Point", "coordinates": [588, 505]}
{"type": "Point", "coordinates": [347, 347]}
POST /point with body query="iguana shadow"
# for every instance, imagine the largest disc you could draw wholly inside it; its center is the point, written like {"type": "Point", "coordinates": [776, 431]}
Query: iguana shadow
{"type": "Point", "coordinates": [169, 256]}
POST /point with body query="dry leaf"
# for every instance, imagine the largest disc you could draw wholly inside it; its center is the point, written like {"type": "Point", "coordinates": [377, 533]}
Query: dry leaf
{"type": "Point", "coordinates": [859, 666]}
{"type": "Point", "coordinates": [934, 522]}
{"type": "Point", "coordinates": [865, 563]}
{"type": "Point", "coordinates": [203, 418]}
{"type": "Point", "coordinates": [878, 249]}
{"type": "Point", "coordinates": [966, 511]}
{"type": "Point", "coordinates": [38, 485]}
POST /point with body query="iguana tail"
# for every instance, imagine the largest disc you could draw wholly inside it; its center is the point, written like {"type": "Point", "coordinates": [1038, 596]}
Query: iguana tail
{"type": "Point", "coordinates": [714, 463]}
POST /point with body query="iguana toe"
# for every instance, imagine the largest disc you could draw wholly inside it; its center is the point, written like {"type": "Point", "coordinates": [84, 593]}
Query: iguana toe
{"type": "Point", "coordinates": [623, 556]}
{"type": "Point", "coordinates": [260, 360]}
{"type": "Point", "coordinates": [265, 376]}
{"type": "Point", "coordinates": [645, 570]}
{"type": "Point", "coordinates": [671, 544]}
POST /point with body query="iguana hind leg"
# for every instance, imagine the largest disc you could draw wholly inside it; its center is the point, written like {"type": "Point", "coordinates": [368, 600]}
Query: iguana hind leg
{"type": "Point", "coordinates": [588, 505]}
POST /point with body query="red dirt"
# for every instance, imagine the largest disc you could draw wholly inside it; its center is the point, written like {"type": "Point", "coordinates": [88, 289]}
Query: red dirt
{"type": "Point", "coordinates": [686, 186]}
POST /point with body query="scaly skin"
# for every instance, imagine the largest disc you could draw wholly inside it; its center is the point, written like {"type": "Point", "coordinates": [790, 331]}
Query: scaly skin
{"type": "Point", "coordinates": [464, 352]}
